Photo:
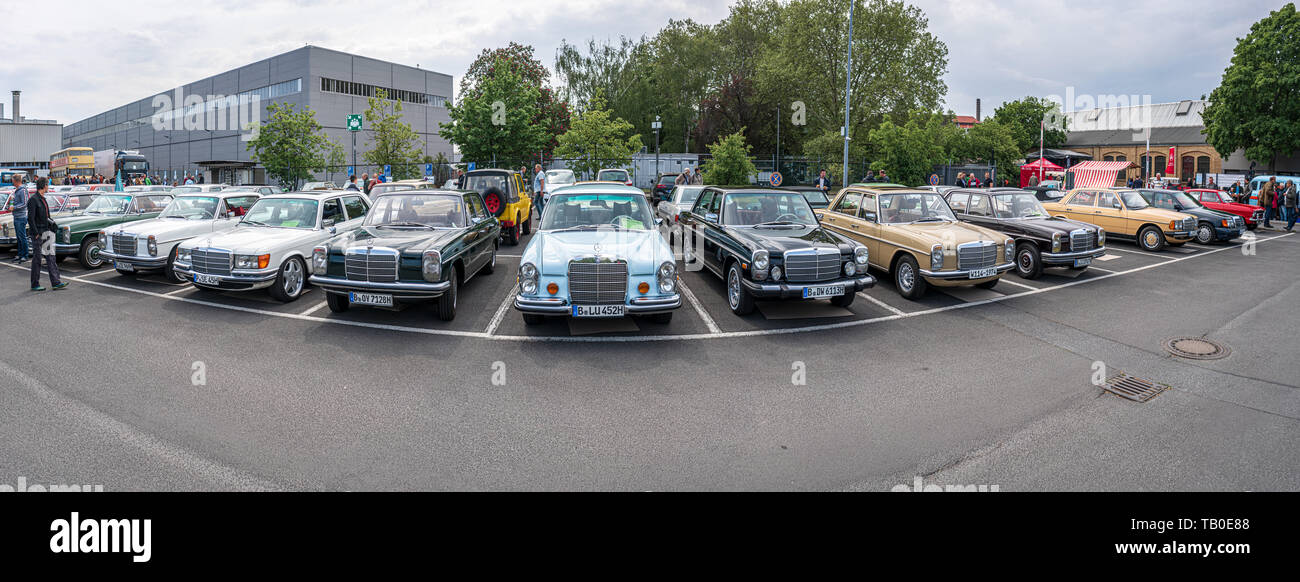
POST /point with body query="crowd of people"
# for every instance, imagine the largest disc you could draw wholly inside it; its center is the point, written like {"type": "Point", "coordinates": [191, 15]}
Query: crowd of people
{"type": "Point", "coordinates": [147, 180]}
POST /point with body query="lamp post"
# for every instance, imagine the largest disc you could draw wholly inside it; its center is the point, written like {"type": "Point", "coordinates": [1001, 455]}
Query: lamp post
{"type": "Point", "coordinates": [848, 84]}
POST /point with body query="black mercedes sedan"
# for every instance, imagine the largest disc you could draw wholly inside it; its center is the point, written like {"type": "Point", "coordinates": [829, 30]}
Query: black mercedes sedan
{"type": "Point", "coordinates": [1041, 239]}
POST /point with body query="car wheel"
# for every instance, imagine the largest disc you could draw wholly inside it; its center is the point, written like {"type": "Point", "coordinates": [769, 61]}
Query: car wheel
{"type": "Point", "coordinates": [533, 319]}
{"type": "Point", "coordinates": [1151, 239]}
{"type": "Point", "coordinates": [1205, 233]}
{"type": "Point", "coordinates": [447, 302]}
{"type": "Point", "coordinates": [844, 300]}
{"type": "Point", "coordinates": [988, 284]}
{"type": "Point", "coordinates": [495, 201]}
{"type": "Point", "coordinates": [907, 277]}
{"type": "Point", "coordinates": [1029, 264]}
{"type": "Point", "coordinates": [169, 272]}
{"type": "Point", "coordinates": [89, 255]}
{"type": "Point", "coordinates": [290, 282]}
{"type": "Point", "coordinates": [662, 318]}
{"type": "Point", "coordinates": [512, 235]}
{"type": "Point", "coordinates": [528, 224]}
{"type": "Point", "coordinates": [738, 298]}
{"type": "Point", "coordinates": [338, 302]}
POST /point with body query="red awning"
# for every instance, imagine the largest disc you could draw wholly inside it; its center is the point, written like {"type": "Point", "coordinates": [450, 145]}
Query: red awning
{"type": "Point", "coordinates": [1041, 163]}
{"type": "Point", "coordinates": [1094, 174]}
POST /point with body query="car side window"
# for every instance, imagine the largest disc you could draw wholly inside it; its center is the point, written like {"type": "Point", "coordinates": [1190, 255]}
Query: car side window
{"type": "Point", "coordinates": [476, 209]}
{"type": "Point", "coordinates": [1084, 199]}
{"type": "Point", "coordinates": [849, 204]}
{"type": "Point", "coordinates": [238, 206]}
{"type": "Point", "coordinates": [959, 202]}
{"type": "Point", "coordinates": [869, 207]}
{"type": "Point", "coordinates": [702, 205]}
{"type": "Point", "coordinates": [355, 206]}
{"type": "Point", "coordinates": [333, 212]}
{"type": "Point", "coordinates": [979, 206]}
{"type": "Point", "coordinates": [1107, 200]}
{"type": "Point", "coordinates": [715, 206]}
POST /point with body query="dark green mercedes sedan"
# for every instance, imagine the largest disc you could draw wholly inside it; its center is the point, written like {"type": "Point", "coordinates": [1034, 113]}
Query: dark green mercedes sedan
{"type": "Point", "coordinates": [415, 245]}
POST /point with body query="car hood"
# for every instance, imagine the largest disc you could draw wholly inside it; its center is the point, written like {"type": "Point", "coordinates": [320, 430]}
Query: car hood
{"type": "Point", "coordinates": [402, 240]}
{"type": "Point", "coordinates": [1051, 225]}
{"type": "Point", "coordinates": [1235, 207]}
{"type": "Point", "coordinates": [80, 221]}
{"type": "Point", "coordinates": [167, 229]}
{"type": "Point", "coordinates": [253, 240]}
{"type": "Point", "coordinates": [551, 251]}
{"type": "Point", "coordinates": [1161, 214]}
{"type": "Point", "coordinates": [780, 240]}
{"type": "Point", "coordinates": [951, 232]}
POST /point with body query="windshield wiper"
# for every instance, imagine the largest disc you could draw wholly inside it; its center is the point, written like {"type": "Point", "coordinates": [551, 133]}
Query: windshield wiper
{"type": "Point", "coordinates": [407, 224]}
{"type": "Point", "coordinates": [585, 227]}
{"type": "Point", "coordinates": [780, 223]}
{"type": "Point", "coordinates": [255, 222]}
{"type": "Point", "coordinates": [931, 219]}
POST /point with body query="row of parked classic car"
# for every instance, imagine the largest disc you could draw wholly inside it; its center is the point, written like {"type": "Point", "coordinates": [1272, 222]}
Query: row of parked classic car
{"type": "Point", "coordinates": [602, 251]}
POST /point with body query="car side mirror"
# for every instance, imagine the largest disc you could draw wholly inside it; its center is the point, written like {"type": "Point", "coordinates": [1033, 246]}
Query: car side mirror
{"type": "Point", "coordinates": [711, 217]}
{"type": "Point", "coordinates": [329, 222]}
{"type": "Point", "coordinates": [1178, 206]}
{"type": "Point", "coordinates": [659, 221]}
{"type": "Point", "coordinates": [1117, 206]}
{"type": "Point", "coordinates": [869, 216]}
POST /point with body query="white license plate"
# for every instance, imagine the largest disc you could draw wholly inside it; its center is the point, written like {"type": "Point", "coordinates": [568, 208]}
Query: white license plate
{"type": "Point", "coordinates": [983, 273]}
{"type": "Point", "coordinates": [206, 279]}
{"type": "Point", "coordinates": [1083, 262]}
{"type": "Point", "coordinates": [128, 267]}
{"type": "Point", "coordinates": [370, 299]}
{"type": "Point", "coordinates": [599, 310]}
{"type": "Point", "coordinates": [823, 291]}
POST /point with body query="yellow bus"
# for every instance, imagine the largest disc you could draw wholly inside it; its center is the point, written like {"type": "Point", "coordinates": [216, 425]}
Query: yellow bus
{"type": "Point", "coordinates": [71, 162]}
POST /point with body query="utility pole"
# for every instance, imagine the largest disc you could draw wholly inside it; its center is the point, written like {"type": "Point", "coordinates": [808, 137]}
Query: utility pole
{"type": "Point", "coordinates": [776, 163]}
{"type": "Point", "coordinates": [848, 85]}
{"type": "Point", "coordinates": [657, 125]}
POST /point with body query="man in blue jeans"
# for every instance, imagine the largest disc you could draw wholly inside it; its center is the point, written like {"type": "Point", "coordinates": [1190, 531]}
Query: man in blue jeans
{"type": "Point", "coordinates": [20, 197]}
{"type": "Point", "coordinates": [539, 184]}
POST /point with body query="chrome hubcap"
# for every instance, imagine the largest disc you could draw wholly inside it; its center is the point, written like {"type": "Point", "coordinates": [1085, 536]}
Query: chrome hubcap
{"type": "Point", "coordinates": [1205, 234]}
{"type": "Point", "coordinates": [1026, 260]}
{"type": "Point", "coordinates": [733, 289]}
{"type": "Point", "coordinates": [905, 277]}
{"type": "Point", "coordinates": [292, 278]}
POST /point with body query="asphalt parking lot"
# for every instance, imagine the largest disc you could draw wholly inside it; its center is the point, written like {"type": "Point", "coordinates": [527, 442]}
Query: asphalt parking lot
{"type": "Point", "coordinates": [965, 386]}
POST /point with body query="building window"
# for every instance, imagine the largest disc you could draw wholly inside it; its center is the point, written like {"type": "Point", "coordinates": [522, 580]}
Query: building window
{"type": "Point", "coordinates": [1108, 158]}
{"type": "Point", "coordinates": [1203, 165]}
{"type": "Point", "coordinates": [364, 90]}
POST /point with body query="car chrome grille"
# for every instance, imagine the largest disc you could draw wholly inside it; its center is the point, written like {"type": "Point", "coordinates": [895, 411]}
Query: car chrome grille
{"type": "Point", "coordinates": [594, 282]}
{"type": "Point", "coordinates": [812, 265]}
{"type": "Point", "coordinates": [210, 261]}
{"type": "Point", "coordinates": [124, 244]}
{"type": "Point", "coordinates": [978, 255]}
{"type": "Point", "coordinates": [1189, 223]}
{"type": "Point", "coordinates": [1239, 221]}
{"type": "Point", "coordinates": [1257, 216]}
{"type": "Point", "coordinates": [1082, 240]}
{"type": "Point", "coordinates": [371, 265]}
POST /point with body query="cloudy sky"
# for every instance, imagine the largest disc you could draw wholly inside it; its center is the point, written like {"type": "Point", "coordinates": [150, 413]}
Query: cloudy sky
{"type": "Point", "coordinates": [97, 55]}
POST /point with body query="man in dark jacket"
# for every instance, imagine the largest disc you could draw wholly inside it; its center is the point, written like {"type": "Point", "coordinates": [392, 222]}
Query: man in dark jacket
{"type": "Point", "coordinates": [42, 229]}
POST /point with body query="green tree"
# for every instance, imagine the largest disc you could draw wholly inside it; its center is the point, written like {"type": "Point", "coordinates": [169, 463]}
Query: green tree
{"type": "Point", "coordinates": [989, 142]}
{"type": "Point", "coordinates": [291, 145]}
{"type": "Point", "coordinates": [549, 112]}
{"type": "Point", "coordinates": [909, 152]}
{"type": "Point", "coordinates": [828, 149]}
{"type": "Point", "coordinates": [496, 120]}
{"type": "Point", "coordinates": [730, 164]}
{"type": "Point", "coordinates": [393, 141]}
{"type": "Point", "coordinates": [1255, 106]}
{"type": "Point", "coordinates": [1023, 118]}
{"type": "Point", "coordinates": [596, 139]}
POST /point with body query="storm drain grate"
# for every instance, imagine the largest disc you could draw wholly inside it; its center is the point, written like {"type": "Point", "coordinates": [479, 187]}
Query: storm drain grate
{"type": "Point", "coordinates": [1196, 348]}
{"type": "Point", "coordinates": [1133, 388]}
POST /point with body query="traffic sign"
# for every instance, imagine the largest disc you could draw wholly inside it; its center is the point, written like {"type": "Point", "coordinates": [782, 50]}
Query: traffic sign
{"type": "Point", "coordinates": [388, 171]}
{"type": "Point", "coordinates": [428, 169]}
{"type": "Point", "coordinates": [352, 170]}
{"type": "Point", "coordinates": [776, 179]}
{"type": "Point", "coordinates": [354, 122]}
{"type": "Point", "coordinates": [934, 179]}
{"type": "Point", "coordinates": [471, 166]}
{"type": "Point", "coordinates": [656, 125]}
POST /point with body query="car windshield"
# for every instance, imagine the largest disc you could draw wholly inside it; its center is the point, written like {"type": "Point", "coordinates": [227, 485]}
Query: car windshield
{"type": "Point", "coordinates": [1133, 200]}
{"type": "Point", "coordinates": [815, 196]}
{"type": "Point", "coordinates": [482, 182]}
{"type": "Point", "coordinates": [54, 202]}
{"type": "Point", "coordinates": [612, 176]}
{"type": "Point", "coordinates": [914, 207]}
{"type": "Point", "coordinates": [186, 189]}
{"type": "Point", "coordinates": [560, 177]}
{"type": "Point", "coordinates": [110, 204]}
{"type": "Point", "coordinates": [1019, 205]}
{"type": "Point", "coordinates": [1222, 197]}
{"type": "Point", "coordinates": [667, 180]}
{"type": "Point", "coordinates": [685, 196]}
{"type": "Point", "coordinates": [767, 209]}
{"type": "Point", "coordinates": [582, 211]}
{"type": "Point", "coordinates": [283, 212]}
{"type": "Point", "coordinates": [412, 210]}
{"type": "Point", "coordinates": [1168, 200]}
{"type": "Point", "coordinates": [192, 208]}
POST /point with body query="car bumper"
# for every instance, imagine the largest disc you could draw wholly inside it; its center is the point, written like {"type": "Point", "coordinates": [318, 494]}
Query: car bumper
{"type": "Point", "coordinates": [236, 281]}
{"type": "Point", "coordinates": [761, 290]}
{"type": "Point", "coordinates": [66, 248]}
{"type": "Point", "coordinates": [1221, 233]}
{"type": "Point", "coordinates": [397, 290]}
{"type": "Point", "coordinates": [1070, 258]}
{"type": "Point", "coordinates": [560, 306]}
{"type": "Point", "coordinates": [1180, 235]}
{"type": "Point", "coordinates": [143, 263]}
{"type": "Point", "coordinates": [963, 274]}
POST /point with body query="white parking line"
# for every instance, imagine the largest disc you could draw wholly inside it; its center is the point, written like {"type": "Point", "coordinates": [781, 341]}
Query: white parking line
{"type": "Point", "coordinates": [100, 271]}
{"type": "Point", "coordinates": [1006, 281]}
{"type": "Point", "coordinates": [500, 315]}
{"type": "Point", "coordinates": [699, 308]}
{"type": "Point", "coordinates": [882, 304]}
{"type": "Point", "coordinates": [178, 291]}
{"type": "Point", "coordinates": [657, 338]}
{"type": "Point", "coordinates": [1133, 252]}
{"type": "Point", "coordinates": [1100, 269]}
{"type": "Point", "coordinates": [315, 308]}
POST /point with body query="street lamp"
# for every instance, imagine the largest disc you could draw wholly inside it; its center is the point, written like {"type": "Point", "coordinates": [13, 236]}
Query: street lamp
{"type": "Point", "coordinates": [848, 83]}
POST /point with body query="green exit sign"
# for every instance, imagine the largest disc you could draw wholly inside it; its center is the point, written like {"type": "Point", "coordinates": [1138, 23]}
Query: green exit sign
{"type": "Point", "coordinates": [354, 122]}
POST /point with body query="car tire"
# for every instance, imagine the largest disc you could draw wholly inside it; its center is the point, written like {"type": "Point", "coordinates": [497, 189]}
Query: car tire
{"type": "Point", "coordinates": [533, 319]}
{"type": "Point", "coordinates": [528, 224]}
{"type": "Point", "coordinates": [169, 272]}
{"type": "Point", "coordinates": [1204, 233]}
{"type": "Point", "coordinates": [495, 201]}
{"type": "Point", "coordinates": [844, 300]}
{"type": "Point", "coordinates": [907, 277]}
{"type": "Point", "coordinates": [1151, 239]}
{"type": "Point", "coordinates": [1029, 262]}
{"type": "Point", "coordinates": [89, 254]}
{"type": "Point", "coordinates": [290, 282]}
{"type": "Point", "coordinates": [337, 302]}
{"type": "Point", "coordinates": [512, 235]}
{"type": "Point", "coordinates": [738, 298]}
{"type": "Point", "coordinates": [447, 301]}
{"type": "Point", "coordinates": [988, 284]}
{"type": "Point", "coordinates": [662, 318]}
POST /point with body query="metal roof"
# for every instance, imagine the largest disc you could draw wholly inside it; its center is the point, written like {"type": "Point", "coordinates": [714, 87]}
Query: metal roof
{"type": "Point", "coordinates": [1159, 135]}
{"type": "Point", "coordinates": [1159, 115]}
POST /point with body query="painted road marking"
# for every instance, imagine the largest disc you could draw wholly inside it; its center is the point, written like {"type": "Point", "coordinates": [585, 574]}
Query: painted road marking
{"type": "Point", "coordinates": [1006, 281]}
{"type": "Point", "coordinates": [315, 308]}
{"type": "Point", "coordinates": [699, 308]}
{"type": "Point", "coordinates": [886, 306]}
{"type": "Point", "coordinates": [501, 312]}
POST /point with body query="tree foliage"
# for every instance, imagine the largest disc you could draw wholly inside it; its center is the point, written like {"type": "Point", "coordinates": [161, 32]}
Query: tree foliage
{"type": "Point", "coordinates": [1255, 106]}
{"type": "Point", "coordinates": [596, 139]}
{"type": "Point", "coordinates": [909, 152]}
{"type": "Point", "coordinates": [497, 120]}
{"type": "Point", "coordinates": [549, 112]}
{"type": "Point", "coordinates": [730, 164]}
{"type": "Point", "coordinates": [393, 141]}
{"type": "Point", "coordinates": [291, 145]}
{"type": "Point", "coordinates": [1023, 118]}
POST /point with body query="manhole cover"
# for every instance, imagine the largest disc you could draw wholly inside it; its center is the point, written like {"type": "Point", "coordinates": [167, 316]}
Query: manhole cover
{"type": "Point", "coordinates": [1133, 388]}
{"type": "Point", "coordinates": [1195, 348]}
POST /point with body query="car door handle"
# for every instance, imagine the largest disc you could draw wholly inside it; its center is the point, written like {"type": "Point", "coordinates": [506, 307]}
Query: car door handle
{"type": "Point", "coordinates": [853, 226]}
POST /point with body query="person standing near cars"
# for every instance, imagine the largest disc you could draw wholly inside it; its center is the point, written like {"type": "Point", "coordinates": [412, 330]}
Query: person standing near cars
{"type": "Point", "coordinates": [1288, 203]}
{"type": "Point", "coordinates": [823, 183]}
{"type": "Point", "coordinates": [697, 177]}
{"type": "Point", "coordinates": [21, 200]}
{"type": "Point", "coordinates": [1266, 200]}
{"type": "Point", "coordinates": [42, 229]}
{"type": "Point", "coordinates": [539, 185]}
{"type": "Point", "coordinates": [352, 184]}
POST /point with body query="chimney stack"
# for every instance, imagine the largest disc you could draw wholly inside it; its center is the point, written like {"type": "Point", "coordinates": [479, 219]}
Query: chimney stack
{"type": "Point", "coordinates": [977, 111]}
{"type": "Point", "coordinates": [2, 110]}
{"type": "Point", "coordinates": [17, 111]}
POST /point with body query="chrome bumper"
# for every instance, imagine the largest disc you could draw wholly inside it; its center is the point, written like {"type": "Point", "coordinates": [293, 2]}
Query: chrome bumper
{"type": "Point", "coordinates": [237, 279]}
{"type": "Point", "coordinates": [763, 290]}
{"type": "Point", "coordinates": [139, 262]}
{"type": "Point", "coordinates": [1067, 258]}
{"type": "Point", "coordinates": [964, 274]}
{"type": "Point", "coordinates": [65, 248]}
{"type": "Point", "coordinates": [398, 289]}
{"type": "Point", "coordinates": [559, 306]}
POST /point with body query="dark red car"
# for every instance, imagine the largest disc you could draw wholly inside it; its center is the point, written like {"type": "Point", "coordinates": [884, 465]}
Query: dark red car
{"type": "Point", "coordinates": [1222, 201]}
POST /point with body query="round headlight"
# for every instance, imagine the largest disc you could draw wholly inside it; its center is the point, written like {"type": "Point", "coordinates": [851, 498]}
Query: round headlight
{"type": "Point", "coordinates": [528, 286]}
{"type": "Point", "coordinates": [431, 266]}
{"type": "Point", "coordinates": [528, 271]}
{"type": "Point", "coordinates": [936, 257]}
{"type": "Point", "coordinates": [850, 269]}
{"type": "Point", "coordinates": [1101, 236]}
{"type": "Point", "coordinates": [761, 261]}
{"type": "Point", "coordinates": [776, 273]}
{"type": "Point", "coordinates": [860, 256]}
{"type": "Point", "coordinates": [667, 277]}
